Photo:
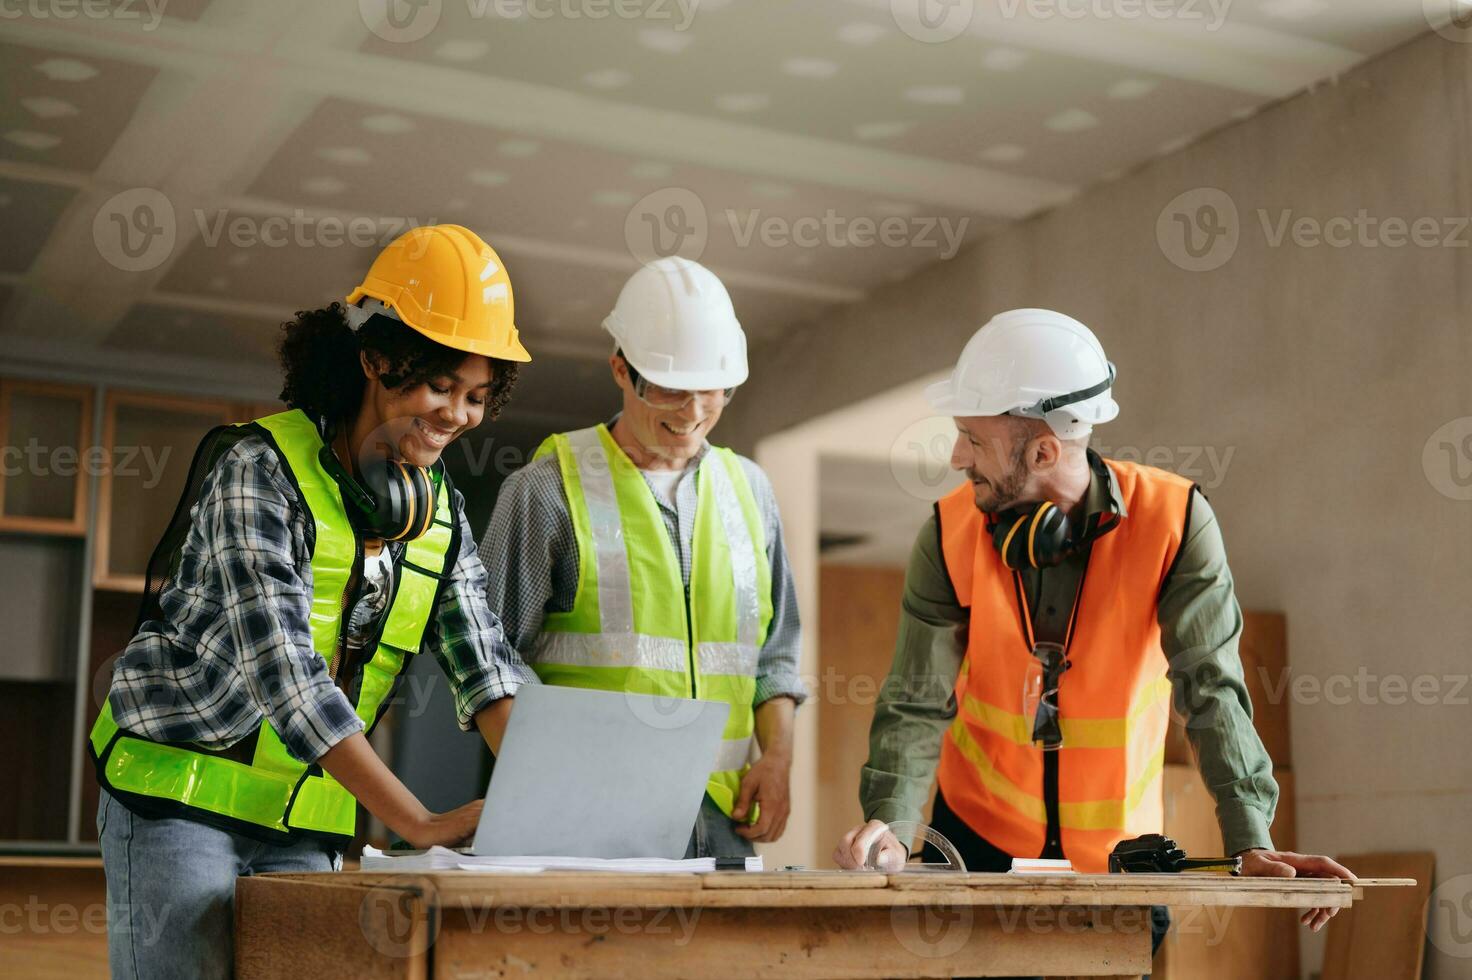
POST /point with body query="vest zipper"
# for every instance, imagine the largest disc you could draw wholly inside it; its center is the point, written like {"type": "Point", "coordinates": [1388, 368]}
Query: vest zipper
{"type": "Point", "coordinates": [335, 667]}
{"type": "Point", "coordinates": [690, 637]}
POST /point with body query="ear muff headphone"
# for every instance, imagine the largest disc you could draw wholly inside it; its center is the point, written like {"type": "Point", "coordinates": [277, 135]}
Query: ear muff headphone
{"type": "Point", "coordinates": [1040, 535]}
{"type": "Point", "coordinates": [395, 500]}
{"type": "Point", "coordinates": [1035, 536]}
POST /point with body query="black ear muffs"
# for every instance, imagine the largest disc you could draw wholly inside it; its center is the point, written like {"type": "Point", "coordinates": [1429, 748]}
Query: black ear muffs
{"type": "Point", "coordinates": [394, 501]}
{"type": "Point", "coordinates": [1035, 536]}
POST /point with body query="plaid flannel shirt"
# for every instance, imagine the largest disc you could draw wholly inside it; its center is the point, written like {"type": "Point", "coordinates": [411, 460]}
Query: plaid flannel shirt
{"type": "Point", "coordinates": [234, 646]}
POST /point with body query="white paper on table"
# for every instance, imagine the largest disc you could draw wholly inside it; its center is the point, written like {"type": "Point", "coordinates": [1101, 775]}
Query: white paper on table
{"type": "Point", "coordinates": [445, 859]}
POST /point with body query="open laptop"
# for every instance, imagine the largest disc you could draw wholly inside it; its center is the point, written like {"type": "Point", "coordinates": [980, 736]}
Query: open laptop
{"type": "Point", "coordinates": [604, 774]}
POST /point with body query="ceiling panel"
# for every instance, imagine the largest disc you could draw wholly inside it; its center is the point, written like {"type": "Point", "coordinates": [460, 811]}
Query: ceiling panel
{"type": "Point", "coordinates": [64, 110]}
{"type": "Point", "coordinates": [28, 212]}
{"type": "Point", "coordinates": [212, 336]}
{"type": "Point", "coordinates": [815, 125]}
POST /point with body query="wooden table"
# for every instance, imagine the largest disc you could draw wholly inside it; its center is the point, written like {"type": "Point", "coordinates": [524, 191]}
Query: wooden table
{"type": "Point", "coordinates": [789, 924]}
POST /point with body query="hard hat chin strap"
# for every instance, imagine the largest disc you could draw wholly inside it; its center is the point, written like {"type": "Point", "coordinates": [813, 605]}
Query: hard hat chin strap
{"type": "Point", "coordinates": [1046, 405]}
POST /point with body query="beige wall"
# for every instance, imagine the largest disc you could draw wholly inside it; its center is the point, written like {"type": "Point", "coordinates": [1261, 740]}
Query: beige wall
{"type": "Point", "coordinates": [1323, 372]}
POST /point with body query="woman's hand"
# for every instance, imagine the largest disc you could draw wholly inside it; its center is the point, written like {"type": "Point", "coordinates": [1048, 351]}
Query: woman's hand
{"type": "Point", "coordinates": [354, 764]}
{"type": "Point", "coordinates": [449, 828]}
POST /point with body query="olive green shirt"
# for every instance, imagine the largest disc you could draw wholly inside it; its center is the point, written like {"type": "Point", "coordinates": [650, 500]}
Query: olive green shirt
{"type": "Point", "coordinates": [1200, 624]}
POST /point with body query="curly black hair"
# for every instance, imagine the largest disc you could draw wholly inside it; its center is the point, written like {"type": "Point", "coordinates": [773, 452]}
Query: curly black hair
{"type": "Point", "coordinates": [324, 376]}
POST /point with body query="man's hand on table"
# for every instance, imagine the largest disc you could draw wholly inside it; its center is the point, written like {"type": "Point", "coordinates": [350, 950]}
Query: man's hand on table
{"type": "Point", "coordinates": [1258, 862]}
{"type": "Point", "coordinates": [853, 848]}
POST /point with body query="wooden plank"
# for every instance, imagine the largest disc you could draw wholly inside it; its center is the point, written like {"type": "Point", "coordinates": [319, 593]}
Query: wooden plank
{"type": "Point", "coordinates": [330, 928]}
{"type": "Point", "coordinates": [48, 861]}
{"type": "Point", "coordinates": [657, 891]}
{"type": "Point", "coordinates": [747, 880]}
{"type": "Point", "coordinates": [859, 614]}
{"type": "Point", "coordinates": [1385, 936]}
{"type": "Point", "coordinates": [910, 942]}
{"type": "Point", "coordinates": [53, 919]}
{"type": "Point", "coordinates": [1208, 941]}
{"type": "Point", "coordinates": [1263, 650]}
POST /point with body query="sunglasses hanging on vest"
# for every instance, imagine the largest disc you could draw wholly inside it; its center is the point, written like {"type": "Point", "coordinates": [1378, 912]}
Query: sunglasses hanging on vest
{"type": "Point", "coordinates": [393, 500]}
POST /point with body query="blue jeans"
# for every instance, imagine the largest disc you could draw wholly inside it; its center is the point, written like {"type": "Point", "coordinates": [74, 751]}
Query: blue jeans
{"type": "Point", "coordinates": [171, 891]}
{"type": "Point", "coordinates": [715, 835]}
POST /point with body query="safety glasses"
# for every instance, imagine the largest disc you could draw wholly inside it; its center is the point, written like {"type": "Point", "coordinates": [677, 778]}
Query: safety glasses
{"type": "Point", "coordinates": [1046, 729]}
{"type": "Point", "coordinates": [672, 400]}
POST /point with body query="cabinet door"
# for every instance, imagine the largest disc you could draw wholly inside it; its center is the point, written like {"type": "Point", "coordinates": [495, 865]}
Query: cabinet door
{"type": "Point", "coordinates": [150, 442]}
{"type": "Point", "coordinates": [46, 432]}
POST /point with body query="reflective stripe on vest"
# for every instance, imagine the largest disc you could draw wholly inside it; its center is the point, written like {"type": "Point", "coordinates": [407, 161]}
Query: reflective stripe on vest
{"type": "Point", "coordinates": [1114, 702]}
{"type": "Point", "coordinates": [276, 792]}
{"type": "Point", "coordinates": [629, 629]}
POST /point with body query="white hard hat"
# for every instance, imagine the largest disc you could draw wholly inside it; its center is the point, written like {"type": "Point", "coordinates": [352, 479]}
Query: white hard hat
{"type": "Point", "coordinates": [1033, 363]}
{"type": "Point", "coordinates": [675, 325]}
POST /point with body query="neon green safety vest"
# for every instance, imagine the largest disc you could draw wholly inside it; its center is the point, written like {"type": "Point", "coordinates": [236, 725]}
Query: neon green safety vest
{"type": "Point", "coordinates": [265, 793]}
{"type": "Point", "coordinates": [633, 626]}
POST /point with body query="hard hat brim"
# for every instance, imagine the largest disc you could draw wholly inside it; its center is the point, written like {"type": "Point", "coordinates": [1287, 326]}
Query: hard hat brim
{"type": "Point", "coordinates": [691, 380]}
{"type": "Point", "coordinates": [509, 350]}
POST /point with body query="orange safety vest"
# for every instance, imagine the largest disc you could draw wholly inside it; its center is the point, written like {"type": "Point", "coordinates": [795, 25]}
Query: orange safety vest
{"type": "Point", "coordinates": [1113, 702]}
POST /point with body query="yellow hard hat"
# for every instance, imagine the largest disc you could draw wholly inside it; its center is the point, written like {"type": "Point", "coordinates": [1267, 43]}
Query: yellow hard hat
{"type": "Point", "coordinates": [448, 284]}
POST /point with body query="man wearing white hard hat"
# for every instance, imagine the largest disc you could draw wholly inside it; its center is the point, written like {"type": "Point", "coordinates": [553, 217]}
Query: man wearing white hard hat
{"type": "Point", "coordinates": [635, 556]}
{"type": "Point", "coordinates": [1050, 606]}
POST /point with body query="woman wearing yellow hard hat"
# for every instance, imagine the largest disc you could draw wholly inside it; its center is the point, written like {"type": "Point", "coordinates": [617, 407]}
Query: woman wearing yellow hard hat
{"type": "Point", "coordinates": [314, 553]}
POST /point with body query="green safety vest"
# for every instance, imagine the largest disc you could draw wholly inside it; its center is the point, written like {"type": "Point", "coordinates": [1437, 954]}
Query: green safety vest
{"type": "Point", "coordinates": [266, 793]}
{"type": "Point", "coordinates": [633, 626]}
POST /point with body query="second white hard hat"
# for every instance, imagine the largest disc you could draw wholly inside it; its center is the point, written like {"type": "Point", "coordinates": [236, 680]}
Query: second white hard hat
{"type": "Point", "coordinates": [1033, 363]}
{"type": "Point", "coordinates": [676, 326]}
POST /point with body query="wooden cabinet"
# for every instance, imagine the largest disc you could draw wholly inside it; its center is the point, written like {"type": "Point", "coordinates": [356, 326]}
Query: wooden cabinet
{"type": "Point", "coordinates": [150, 442]}
{"type": "Point", "coordinates": [74, 571]}
{"type": "Point", "coordinates": [46, 432]}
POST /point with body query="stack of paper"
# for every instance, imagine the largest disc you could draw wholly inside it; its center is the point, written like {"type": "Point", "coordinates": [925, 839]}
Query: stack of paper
{"type": "Point", "coordinates": [445, 859]}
